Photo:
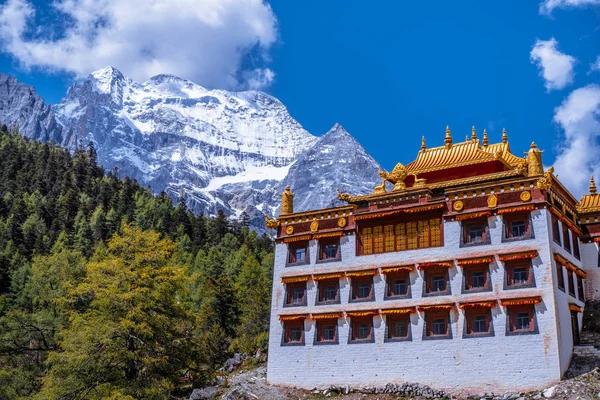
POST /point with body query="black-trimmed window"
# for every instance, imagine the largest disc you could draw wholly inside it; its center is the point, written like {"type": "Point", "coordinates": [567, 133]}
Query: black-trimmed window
{"type": "Point", "coordinates": [436, 282]}
{"type": "Point", "coordinates": [326, 331]}
{"type": "Point", "coordinates": [519, 274]}
{"type": "Point", "coordinates": [566, 238]}
{"type": "Point", "coordinates": [293, 333]}
{"type": "Point", "coordinates": [580, 291]}
{"type": "Point", "coordinates": [295, 294]}
{"type": "Point", "coordinates": [576, 252]}
{"type": "Point", "coordinates": [329, 249]}
{"type": "Point", "coordinates": [478, 322]}
{"type": "Point", "coordinates": [397, 284]}
{"type": "Point", "coordinates": [437, 325]}
{"type": "Point", "coordinates": [475, 232]}
{"type": "Point", "coordinates": [476, 278]}
{"type": "Point", "coordinates": [555, 230]}
{"type": "Point", "coordinates": [397, 327]}
{"type": "Point", "coordinates": [517, 226]}
{"type": "Point", "coordinates": [572, 277]}
{"type": "Point", "coordinates": [328, 291]}
{"type": "Point", "coordinates": [361, 289]}
{"type": "Point", "coordinates": [521, 320]}
{"type": "Point", "coordinates": [361, 330]}
{"type": "Point", "coordinates": [298, 253]}
{"type": "Point", "coordinates": [560, 278]}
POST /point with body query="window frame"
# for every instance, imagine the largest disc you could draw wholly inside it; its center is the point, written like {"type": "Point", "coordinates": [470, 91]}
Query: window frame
{"type": "Point", "coordinates": [389, 280]}
{"type": "Point", "coordinates": [289, 293]}
{"type": "Point", "coordinates": [509, 266]}
{"type": "Point", "coordinates": [576, 248]}
{"type": "Point", "coordinates": [571, 283]}
{"type": "Point", "coordinates": [287, 327]}
{"type": "Point", "coordinates": [511, 312]}
{"type": "Point", "coordinates": [560, 278]}
{"type": "Point", "coordinates": [580, 289]}
{"type": "Point", "coordinates": [507, 221]}
{"type": "Point", "coordinates": [390, 320]}
{"type": "Point", "coordinates": [321, 245]}
{"type": "Point", "coordinates": [556, 230]}
{"type": "Point", "coordinates": [319, 325]}
{"type": "Point", "coordinates": [429, 273]}
{"type": "Point", "coordinates": [354, 282]}
{"type": "Point", "coordinates": [467, 224]}
{"type": "Point", "coordinates": [566, 239]}
{"type": "Point", "coordinates": [320, 291]}
{"type": "Point", "coordinates": [470, 313]}
{"type": "Point", "coordinates": [293, 247]}
{"type": "Point", "coordinates": [430, 315]}
{"type": "Point", "coordinates": [353, 331]}
{"type": "Point", "coordinates": [468, 271]}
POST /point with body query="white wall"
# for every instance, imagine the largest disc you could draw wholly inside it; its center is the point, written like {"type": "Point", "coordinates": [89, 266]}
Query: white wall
{"type": "Point", "coordinates": [589, 263]}
{"type": "Point", "coordinates": [488, 363]}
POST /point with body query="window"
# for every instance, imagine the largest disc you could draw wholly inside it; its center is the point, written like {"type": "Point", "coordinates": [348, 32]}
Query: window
{"type": "Point", "coordinates": [478, 322]}
{"type": "Point", "coordinates": [397, 284]}
{"type": "Point", "coordinates": [560, 277]}
{"type": "Point", "coordinates": [566, 239]}
{"type": "Point", "coordinates": [295, 294]}
{"type": "Point", "coordinates": [362, 289]}
{"type": "Point", "coordinates": [398, 327]}
{"type": "Point", "coordinates": [580, 288]}
{"type": "Point", "coordinates": [521, 320]}
{"type": "Point", "coordinates": [400, 236]}
{"type": "Point", "coordinates": [436, 282]}
{"type": "Point", "coordinates": [475, 232]}
{"type": "Point", "coordinates": [476, 278]}
{"type": "Point", "coordinates": [361, 330]}
{"type": "Point", "coordinates": [555, 230]}
{"type": "Point", "coordinates": [517, 226]}
{"type": "Point", "coordinates": [437, 325]}
{"type": "Point", "coordinates": [326, 331]}
{"type": "Point", "coordinates": [575, 246]}
{"type": "Point", "coordinates": [572, 277]}
{"type": "Point", "coordinates": [298, 253]}
{"type": "Point", "coordinates": [293, 332]}
{"type": "Point", "coordinates": [329, 249]}
{"type": "Point", "coordinates": [328, 291]}
{"type": "Point", "coordinates": [519, 274]}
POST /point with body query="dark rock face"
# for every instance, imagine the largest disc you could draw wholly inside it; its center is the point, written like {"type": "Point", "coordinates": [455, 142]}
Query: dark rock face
{"type": "Point", "coordinates": [230, 151]}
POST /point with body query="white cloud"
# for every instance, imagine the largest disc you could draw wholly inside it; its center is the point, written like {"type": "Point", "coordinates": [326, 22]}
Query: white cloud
{"type": "Point", "coordinates": [595, 65]}
{"type": "Point", "coordinates": [547, 6]}
{"type": "Point", "coordinates": [579, 155]}
{"type": "Point", "coordinates": [555, 67]}
{"type": "Point", "coordinates": [207, 41]}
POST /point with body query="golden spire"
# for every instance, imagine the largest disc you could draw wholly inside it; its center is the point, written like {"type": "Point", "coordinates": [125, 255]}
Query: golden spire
{"type": "Point", "coordinates": [448, 139]}
{"type": "Point", "coordinates": [423, 145]}
{"type": "Point", "coordinates": [466, 138]}
{"type": "Point", "coordinates": [473, 134]}
{"type": "Point", "coordinates": [504, 136]}
{"type": "Point", "coordinates": [486, 141]}
{"type": "Point", "coordinates": [592, 186]}
{"type": "Point", "coordinates": [287, 202]}
{"type": "Point", "coordinates": [534, 161]}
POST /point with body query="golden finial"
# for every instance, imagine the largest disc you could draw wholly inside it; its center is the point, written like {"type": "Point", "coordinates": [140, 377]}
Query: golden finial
{"type": "Point", "coordinates": [504, 136]}
{"type": "Point", "coordinates": [448, 139]}
{"type": "Point", "coordinates": [534, 161]}
{"type": "Point", "coordinates": [473, 134]}
{"type": "Point", "coordinates": [287, 202]}
{"type": "Point", "coordinates": [466, 138]}
{"type": "Point", "coordinates": [486, 141]}
{"type": "Point", "coordinates": [592, 186]}
{"type": "Point", "coordinates": [423, 145]}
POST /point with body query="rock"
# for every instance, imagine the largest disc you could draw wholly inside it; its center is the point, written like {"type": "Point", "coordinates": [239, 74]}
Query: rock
{"type": "Point", "coordinates": [207, 393]}
{"type": "Point", "coordinates": [549, 392]}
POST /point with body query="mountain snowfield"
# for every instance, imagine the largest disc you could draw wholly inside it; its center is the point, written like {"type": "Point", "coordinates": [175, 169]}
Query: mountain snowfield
{"type": "Point", "coordinates": [234, 151]}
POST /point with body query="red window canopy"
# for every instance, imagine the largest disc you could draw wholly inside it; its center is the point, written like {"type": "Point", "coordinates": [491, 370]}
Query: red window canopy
{"type": "Point", "coordinates": [326, 316]}
{"type": "Point", "coordinates": [354, 274]}
{"type": "Point", "coordinates": [328, 235]}
{"type": "Point", "coordinates": [518, 256]}
{"type": "Point", "coordinates": [570, 266]}
{"type": "Point", "coordinates": [437, 307]}
{"type": "Point", "coordinates": [575, 307]}
{"type": "Point", "coordinates": [296, 239]}
{"type": "Point", "coordinates": [389, 270]}
{"type": "Point", "coordinates": [510, 210]}
{"type": "Point", "coordinates": [361, 313]}
{"type": "Point", "coordinates": [402, 211]}
{"type": "Point", "coordinates": [444, 264]}
{"type": "Point", "coordinates": [521, 301]}
{"type": "Point", "coordinates": [479, 304]}
{"type": "Point", "coordinates": [464, 217]}
{"type": "Point", "coordinates": [293, 317]}
{"type": "Point", "coordinates": [293, 279]}
{"type": "Point", "coordinates": [475, 261]}
{"type": "Point", "coordinates": [396, 311]}
{"type": "Point", "coordinates": [321, 277]}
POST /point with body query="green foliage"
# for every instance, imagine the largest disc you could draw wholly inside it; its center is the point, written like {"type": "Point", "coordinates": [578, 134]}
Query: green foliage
{"type": "Point", "coordinates": [107, 291]}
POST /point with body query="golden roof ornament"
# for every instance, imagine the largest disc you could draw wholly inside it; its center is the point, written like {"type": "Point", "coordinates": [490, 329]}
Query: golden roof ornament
{"type": "Point", "coordinates": [423, 145]}
{"type": "Point", "coordinates": [381, 188]}
{"type": "Point", "coordinates": [473, 134]}
{"type": "Point", "coordinates": [545, 182]}
{"type": "Point", "coordinates": [287, 202]}
{"type": "Point", "coordinates": [486, 141]}
{"type": "Point", "coordinates": [592, 186]}
{"type": "Point", "coordinates": [448, 138]}
{"type": "Point", "coordinates": [271, 223]}
{"type": "Point", "coordinates": [504, 136]}
{"type": "Point", "coordinates": [534, 161]}
{"type": "Point", "coordinates": [466, 138]}
{"type": "Point", "coordinates": [397, 176]}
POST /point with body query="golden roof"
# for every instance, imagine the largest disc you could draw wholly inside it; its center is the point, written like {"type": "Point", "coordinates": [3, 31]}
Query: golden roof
{"type": "Point", "coordinates": [590, 203]}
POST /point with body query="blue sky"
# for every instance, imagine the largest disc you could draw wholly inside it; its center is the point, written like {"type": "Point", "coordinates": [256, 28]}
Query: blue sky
{"type": "Point", "coordinates": [389, 72]}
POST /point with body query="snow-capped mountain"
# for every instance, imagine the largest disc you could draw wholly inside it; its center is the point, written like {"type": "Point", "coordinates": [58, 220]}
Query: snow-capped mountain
{"type": "Point", "coordinates": [225, 150]}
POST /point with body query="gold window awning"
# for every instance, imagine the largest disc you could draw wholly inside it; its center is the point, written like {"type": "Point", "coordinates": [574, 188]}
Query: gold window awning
{"type": "Point", "coordinates": [294, 279]}
{"type": "Point", "coordinates": [292, 317]}
{"type": "Point", "coordinates": [326, 316]}
{"type": "Point", "coordinates": [509, 210]}
{"type": "Point", "coordinates": [361, 313]}
{"type": "Point", "coordinates": [479, 304]}
{"type": "Point", "coordinates": [355, 274]}
{"type": "Point", "coordinates": [389, 270]}
{"type": "Point", "coordinates": [521, 301]}
{"type": "Point", "coordinates": [463, 217]}
{"type": "Point", "coordinates": [321, 277]}
{"type": "Point", "coordinates": [296, 238]}
{"type": "Point", "coordinates": [401, 211]}
{"type": "Point", "coordinates": [475, 261]}
{"type": "Point", "coordinates": [444, 264]}
{"type": "Point", "coordinates": [395, 311]}
{"type": "Point", "coordinates": [575, 307]}
{"type": "Point", "coordinates": [448, 306]}
{"type": "Point", "coordinates": [328, 235]}
{"type": "Point", "coordinates": [522, 255]}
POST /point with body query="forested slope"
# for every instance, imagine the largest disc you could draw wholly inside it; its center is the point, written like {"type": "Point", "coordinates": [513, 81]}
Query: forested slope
{"type": "Point", "coordinates": [107, 291]}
